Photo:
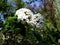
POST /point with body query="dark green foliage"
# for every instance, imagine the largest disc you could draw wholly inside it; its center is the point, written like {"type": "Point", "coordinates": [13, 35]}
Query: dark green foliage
{"type": "Point", "coordinates": [37, 35]}
{"type": "Point", "coordinates": [1, 23]}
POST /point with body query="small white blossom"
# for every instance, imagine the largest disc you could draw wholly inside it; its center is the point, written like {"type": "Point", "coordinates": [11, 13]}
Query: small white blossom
{"type": "Point", "coordinates": [32, 19]}
{"type": "Point", "coordinates": [58, 40]}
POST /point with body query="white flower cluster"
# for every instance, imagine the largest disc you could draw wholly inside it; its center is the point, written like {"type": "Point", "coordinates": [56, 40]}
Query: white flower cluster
{"type": "Point", "coordinates": [32, 19]}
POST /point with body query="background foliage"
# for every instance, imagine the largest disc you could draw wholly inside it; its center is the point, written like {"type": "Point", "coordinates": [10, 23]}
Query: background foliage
{"type": "Point", "coordinates": [18, 33]}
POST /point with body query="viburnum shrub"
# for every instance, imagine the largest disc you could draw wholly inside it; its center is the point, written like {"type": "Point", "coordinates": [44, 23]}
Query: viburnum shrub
{"type": "Point", "coordinates": [22, 26]}
{"type": "Point", "coordinates": [27, 15]}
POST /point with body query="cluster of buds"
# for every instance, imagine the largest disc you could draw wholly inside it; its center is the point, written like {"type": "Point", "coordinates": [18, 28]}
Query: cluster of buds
{"type": "Point", "coordinates": [27, 15]}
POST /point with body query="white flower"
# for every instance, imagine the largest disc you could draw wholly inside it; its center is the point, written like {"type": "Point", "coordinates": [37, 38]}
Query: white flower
{"type": "Point", "coordinates": [58, 40]}
{"type": "Point", "coordinates": [37, 21]}
{"type": "Point", "coordinates": [32, 19]}
{"type": "Point", "coordinates": [24, 14]}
